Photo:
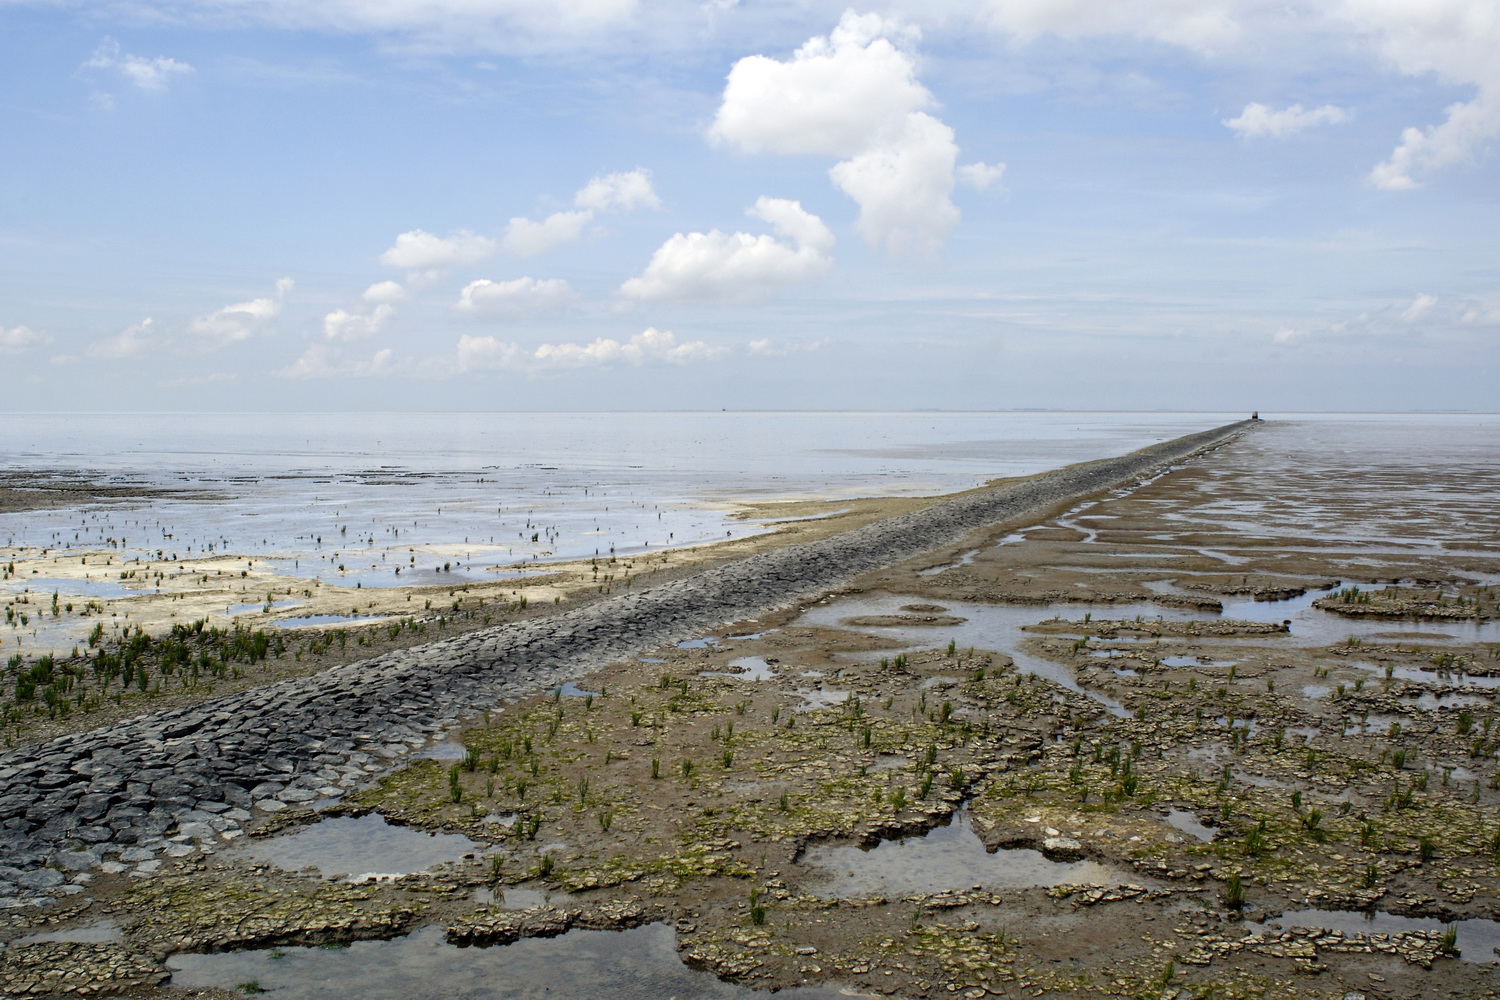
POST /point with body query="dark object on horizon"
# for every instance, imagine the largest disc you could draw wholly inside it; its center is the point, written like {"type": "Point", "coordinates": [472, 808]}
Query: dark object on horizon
{"type": "Point", "coordinates": [1254, 414]}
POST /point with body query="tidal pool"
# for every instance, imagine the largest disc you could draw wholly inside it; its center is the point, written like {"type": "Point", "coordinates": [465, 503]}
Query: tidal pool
{"type": "Point", "coordinates": [1477, 939]}
{"type": "Point", "coordinates": [360, 847]}
{"type": "Point", "coordinates": [639, 964]}
{"type": "Point", "coordinates": [948, 857]}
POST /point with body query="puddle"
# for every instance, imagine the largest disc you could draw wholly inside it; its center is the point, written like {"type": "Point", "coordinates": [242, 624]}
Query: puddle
{"type": "Point", "coordinates": [1126, 672]}
{"type": "Point", "coordinates": [932, 682]}
{"type": "Point", "coordinates": [360, 847]}
{"type": "Point", "coordinates": [1193, 661]}
{"type": "Point", "coordinates": [1433, 702]}
{"type": "Point", "coordinates": [1315, 691]}
{"type": "Point", "coordinates": [517, 898]}
{"type": "Point", "coordinates": [442, 750]}
{"type": "Point", "coordinates": [639, 964]}
{"type": "Point", "coordinates": [104, 932]}
{"type": "Point", "coordinates": [747, 668]}
{"type": "Point", "coordinates": [1477, 939]}
{"type": "Point", "coordinates": [46, 586]}
{"type": "Point", "coordinates": [704, 643]}
{"type": "Point", "coordinates": [307, 621]}
{"type": "Point", "coordinates": [1372, 724]}
{"type": "Point", "coordinates": [817, 699]}
{"type": "Point", "coordinates": [571, 690]}
{"type": "Point", "coordinates": [652, 659]}
{"type": "Point", "coordinates": [963, 560]}
{"type": "Point", "coordinates": [256, 607]}
{"type": "Point", "coordinates": [949, 857]}
{"type": "Point", "coordinates": [1187, 822]}
{"type": "Point", "coordinates": [752, 635]}
{"type": "Point", "coordinates": [1436, 678]}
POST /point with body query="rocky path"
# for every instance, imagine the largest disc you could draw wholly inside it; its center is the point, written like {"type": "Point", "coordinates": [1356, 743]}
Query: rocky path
{"type": "Point", "coordinates": [171, 783]}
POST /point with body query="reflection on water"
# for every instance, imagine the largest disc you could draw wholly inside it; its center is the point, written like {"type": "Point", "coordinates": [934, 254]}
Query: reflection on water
{"type": "Point", "coordinates": [1477, 939]}
{"type": "Point", "coordinates": [639, 964]}
{"type": "Point", "coordinates": [949, 857]}
{"type": "Point", "coordinates": [359, 847]}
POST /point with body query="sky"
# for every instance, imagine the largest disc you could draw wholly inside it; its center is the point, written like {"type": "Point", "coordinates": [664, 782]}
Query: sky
{"type": "Point", "coordinates": [268, 205]}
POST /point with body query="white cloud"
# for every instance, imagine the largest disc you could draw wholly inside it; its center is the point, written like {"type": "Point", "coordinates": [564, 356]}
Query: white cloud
{"type": "Point", "coordinates": [1454, 40]}
{"type": "Point", "coordinates": [514, 298]}
{"type": "Point", "coordinates": [1262, 120]}
{"type": "Point", "coordinates": [716, 265]}
{"type": "Point", "coordinates": [1289, 335]}
{"type": "Point", "coordinates": [146, 74]}
{"type": "Point", "coordinates": [19, 339]}
{"type": "Point", "coordinates": [648, 347]}
{"type": "Point", "coordinates": [1421, 306]}
{"type": "Point", "coordinates": [854, 95]}
{"type": "Point", "coordinates": [765, 347]}
{"type": "Point", "coordinates": [387, 292]}
{"type": "Point", "coordinates": [526, 238]}
{"type": "Point", "coordinates": [240, 321]}
{"type": "Point", "coordinates": [981, 176]}
{"type": "Point", "coordinates": [128, 343]}
{"type": "Point", "coordinates": [623, 192]}
{"type": "Point", "coordinates": [341, 324]}
{"type": "Point", "coordinates": [418, 250]}
{"type": "Point", "coordinates": [1202, 25]}
{"type": "Point", "coordinates": [325, 361]}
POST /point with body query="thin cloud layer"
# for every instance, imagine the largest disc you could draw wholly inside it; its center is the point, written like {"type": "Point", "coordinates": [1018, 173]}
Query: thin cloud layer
{"type": "Point", "coordinates": [517, 297]}
{"type": "Point", "coordinates": [853, 94]}
{"type": "Point", "coordinates": [419, 250]}
{"type": "Point", "coordinates": [19, 339]}
{"type": "Point", "coordinates": [1258, 120]}
{"type": "Point", "coordinates": [652, 346]}
{"type": "Point", "coordinates": [145, 74]}
{"type": "Point", "coordinates": [242, 320]}
{"type": "Point", "coordinates": [738, 266]}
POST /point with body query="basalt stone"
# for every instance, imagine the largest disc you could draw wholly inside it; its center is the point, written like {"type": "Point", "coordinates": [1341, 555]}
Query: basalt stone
{"type": "Point", "coordinates": [40, 878]}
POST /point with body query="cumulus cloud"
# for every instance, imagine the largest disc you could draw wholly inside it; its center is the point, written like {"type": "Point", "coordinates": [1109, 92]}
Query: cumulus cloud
{"type": "Point", "coordinates": [981, 176]}
{"type": "Point", "coordinates": [514, 298]}
{"type": "Point", "coordinates": [325, 361]}
{"type": "Point", "coordinates": [19, 339]}
{"type": "Point", "coordinates": [1420, 307]}
{"type": "Point", "coordinates": [341, 324]}
{"type": "Point", "coordinates": [1259, 120]}
{"type": "Point", "coordinates": [418, 250]}
{"type": "Point", "coordinates": [387, 292]}
{"type": "Point", "coordinates": [853, 94]}
{"type": "Point", "coordinates": [621, 192]}
{"type": "Point", "coordinates": [146, 74]}
{"type": "Point", "coordinates": [738, 266]}
{"type": "Point", "coordinates": [128, 343]}
{"type": "Point", "coordinates": [1454, 40]}
{"type": "Point", "coordinates": [648, 347]}
{"type": "Point", "coordinates": [242, 320]}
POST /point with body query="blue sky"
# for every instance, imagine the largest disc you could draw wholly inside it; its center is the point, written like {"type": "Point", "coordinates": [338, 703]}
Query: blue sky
{"type": "Point", "coordinates": [577, 204]}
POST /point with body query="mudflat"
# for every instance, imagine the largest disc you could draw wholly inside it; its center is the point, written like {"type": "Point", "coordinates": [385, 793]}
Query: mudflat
{"type": "Point", "coordinates": [1227, 732]}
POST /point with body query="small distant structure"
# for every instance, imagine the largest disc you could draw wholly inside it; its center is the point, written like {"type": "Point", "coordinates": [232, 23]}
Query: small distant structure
{"type": "Point", "coordinates": [1254, 414]}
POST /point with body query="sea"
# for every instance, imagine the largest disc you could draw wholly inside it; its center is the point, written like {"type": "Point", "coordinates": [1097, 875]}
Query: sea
{"type": "Point", "coordinates": [496, 493]}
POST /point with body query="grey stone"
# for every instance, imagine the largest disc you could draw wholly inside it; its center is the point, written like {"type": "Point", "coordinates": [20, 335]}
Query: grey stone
{"type": "Point", "coordinates": [40, 878]}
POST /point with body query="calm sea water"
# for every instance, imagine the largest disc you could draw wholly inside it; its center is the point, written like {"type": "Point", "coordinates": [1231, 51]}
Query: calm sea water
{"type": "Point", "coordinates": [490, 492]}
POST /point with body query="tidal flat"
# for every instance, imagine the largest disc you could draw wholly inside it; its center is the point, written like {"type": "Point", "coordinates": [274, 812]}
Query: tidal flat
{"type": "Point", "coordinates": [1229, 732]}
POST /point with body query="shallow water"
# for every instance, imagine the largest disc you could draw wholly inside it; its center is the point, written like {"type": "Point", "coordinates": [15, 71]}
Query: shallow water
{"type": "Point", "coordinates": [1477, 939]}
{"type": "Point", "coordinates": [744, 668]}
{"type": "Point", "coordinates": [1187, 822]}
{"type": "Point", "coordinates": [639, 964]}
{"type": "Point", "coordinates": [359, 847]}
{"type": "Point", "coordinates": [309, 620]}
{"type": "Point", "coordinates": [948, 857]}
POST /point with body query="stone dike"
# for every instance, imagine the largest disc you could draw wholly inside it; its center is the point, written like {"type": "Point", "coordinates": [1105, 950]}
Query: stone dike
{"type": "Point", "coordinates": [169, 784]}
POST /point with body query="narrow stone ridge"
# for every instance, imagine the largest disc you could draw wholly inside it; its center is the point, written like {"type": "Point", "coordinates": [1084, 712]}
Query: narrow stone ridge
{"type": "Point", "coordinates": [187, 779]}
